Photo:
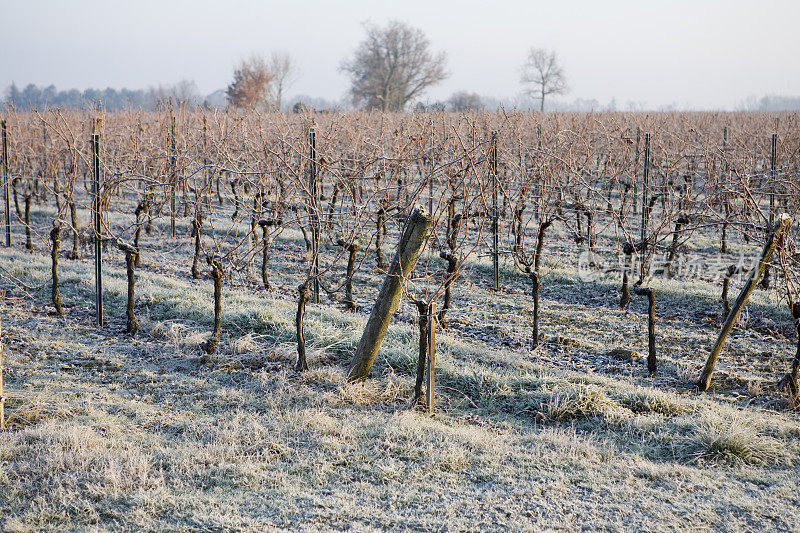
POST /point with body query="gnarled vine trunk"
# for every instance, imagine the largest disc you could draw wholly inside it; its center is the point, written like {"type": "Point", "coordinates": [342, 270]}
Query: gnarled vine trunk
{"type": "Point", "coordinates": [302, 300]}
{"type": "Point", "coordinates": [55, 239]}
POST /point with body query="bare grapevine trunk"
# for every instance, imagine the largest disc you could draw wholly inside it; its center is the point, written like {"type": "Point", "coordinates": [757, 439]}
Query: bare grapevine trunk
{"type": "Point", "coordinates": [264, 252]}
{"type": "Point", "coordinates": [235, 200]}
{"type": "Point", "coordinates": [533, 274]}
{"type": "Point", "coordinates": [197, 231]}
{"type": "Point", "coordinates": [302, 300]}
{"type": "Point", "coordinates": [789, 381]}
{"type": "Point", "coordinates": [16, 198]}
{"type": "Point", "coordinates": [352, 250]}
{"type": "Point", "coordinates": [423, 321]}
{"type": "Point", "coordinates": [379, 239]}
{"type": "Point", "coordinates": [73, 213]}
{"type": "Point", "coordinates": [625, 295]}
{"type": "Point", "coordinates": [673, 249]}
{"type": "Point", "coordinates": [55, 238]}
{"type": "Point", "coordinates": [132, 325]}
{"type": "Point", "coordinates": [28, 241]}
{"type": "Point", "coordinates": [452, 266]}
{"type": "Point", "coordinates": [140, 210]}
{"type": "Point", "coordinates": [212, 344]}
{"type": "Point", "coordinates": [651, 328]}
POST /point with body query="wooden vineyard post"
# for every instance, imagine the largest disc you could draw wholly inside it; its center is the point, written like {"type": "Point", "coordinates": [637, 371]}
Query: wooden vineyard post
{"type": "Point", "coordinates": [429, 386]}
{"type": "Point", "coordinates": [98, 230]}
{"type": "Point", "coordinates": [388, 300]}
{"type": "Point", "coordinates": [495, 215]}
{"type": "Point", "coordinates": [784, 222]}
{"type": "Point", "coordinates": [5, 185]}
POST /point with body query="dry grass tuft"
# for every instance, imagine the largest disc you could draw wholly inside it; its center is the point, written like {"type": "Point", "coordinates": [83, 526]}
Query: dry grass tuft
{"type": "Point", "coordinates": [177, 334]}
{"type": "Point", "coordinates": [245, 344]}
{"type": "Point", "coordinates": [371, 392]}
{"type": "Point", "coordinates": [23, 411]}
{"type": "Point", "coordinates": [733, 441]}
{"type": "Point", "coordinates": [642, 401]}
{"type": "Point", "coordinates": [581, 401]}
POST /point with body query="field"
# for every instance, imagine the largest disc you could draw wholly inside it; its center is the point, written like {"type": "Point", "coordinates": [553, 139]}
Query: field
{"type": "Point", "coordinates": [149, 431]}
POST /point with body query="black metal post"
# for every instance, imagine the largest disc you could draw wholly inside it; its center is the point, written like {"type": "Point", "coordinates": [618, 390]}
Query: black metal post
{"type": "Point", "coordinates": [636, 172]}
{"type": "Point", "coordinates": [5, 185]}
{"type": "Point", "coordinates": [495, 214]}
{"type": "Point", "coordinates": [645, 204]}
{"type": "Point", "coordinates": [98, 230]}
{"type": "Point", "coordinates": [314, 188]}
{"type": "Point", "coordinates": [772, 179]}
{"type": "Point", "coordinates": [173, 174]}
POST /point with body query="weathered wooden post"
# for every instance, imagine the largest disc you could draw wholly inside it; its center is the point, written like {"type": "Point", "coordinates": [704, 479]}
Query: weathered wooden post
{"type": "Point", "coordinates": [431, 357]}
{"type": "Point", "coordinates": [5, 185]}
{"type": "Point", "coordinates": [408, 252]}
{"type": "Point", "coordinates": [495, 214]}
{"type": "Point", "coordinates": [98, 230]}
{"type": "Point", "coordinates": [782, 227]}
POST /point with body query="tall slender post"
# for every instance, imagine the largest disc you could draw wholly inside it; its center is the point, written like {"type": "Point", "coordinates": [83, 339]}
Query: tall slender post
{"type": "Point", "coordinates": [431, 357]}
{"type": "Point", "coordinates": [430, 194]}
{"type": "Point", "coordinates": [2, 395]}
{"type": "Point", "coordinates": [636, 171]}
{"type": "Point", "coordinates": [98, 230]}
{"type": "Point", "coordinates": [173, 173]}
{"type": "Point", "coordinates": [726, 166]}
{"type": "Point", "coordinates": [772, 179]}
{"type": "Point", "coordinates": [6, 185]}
{"type": "Point", "coordinates": [495, 214]}
{"type": "Point", "coordinates": [314, 189]}
{"type": "Point", "coordinates": [645, 204]}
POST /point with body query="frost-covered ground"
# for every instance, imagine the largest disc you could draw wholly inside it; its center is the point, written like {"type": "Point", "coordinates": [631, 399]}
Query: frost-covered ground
{"type": "Point", "coordinates": [112, 432]}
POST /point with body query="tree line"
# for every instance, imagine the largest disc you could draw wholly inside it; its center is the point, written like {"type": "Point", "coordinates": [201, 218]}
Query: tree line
{"type": "Point", "coordinates": [391, 68]}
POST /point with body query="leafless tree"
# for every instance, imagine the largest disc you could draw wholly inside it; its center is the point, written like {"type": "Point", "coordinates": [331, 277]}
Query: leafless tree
{"type": "Point", "coordinates": [251, 83]}
{"type": "Point", "coordinates": [282, 68]}
{"type": "Point", "coordinates": [542, 74]}
{"type": "Point", "coordinates": [392, 66]}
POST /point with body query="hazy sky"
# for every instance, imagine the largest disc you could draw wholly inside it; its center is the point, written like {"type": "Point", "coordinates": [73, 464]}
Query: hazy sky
{"type": "Point", "coordinates": [700, 53]}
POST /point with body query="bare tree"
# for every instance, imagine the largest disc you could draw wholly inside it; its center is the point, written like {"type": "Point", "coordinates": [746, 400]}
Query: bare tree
{"type": "Point", "coordinates": [251, 83]}
{"type": "Point", "coordinates": [392, 66]}
{"type": "Point", "coordinates": [284, 73]}
{"type": "Point", "coordinates": [543, 74]}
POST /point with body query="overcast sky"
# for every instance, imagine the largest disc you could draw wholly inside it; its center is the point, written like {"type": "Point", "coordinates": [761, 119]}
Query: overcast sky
{"type": "Point", "coordinates": [697, 53]}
